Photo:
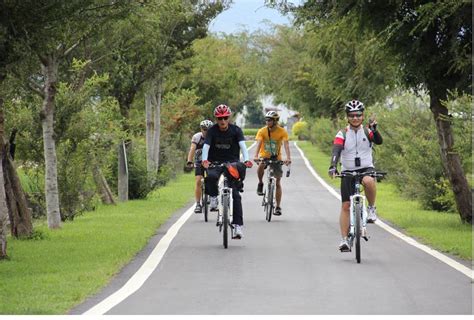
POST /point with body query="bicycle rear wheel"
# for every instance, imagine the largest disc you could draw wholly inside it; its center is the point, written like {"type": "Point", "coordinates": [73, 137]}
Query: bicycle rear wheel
{"type": "Point", "coordinates": [225, 221]}
{"type": "Point", "coordinates": [358, 214]}
{"type": "Point", "coordinates": [269, 205]}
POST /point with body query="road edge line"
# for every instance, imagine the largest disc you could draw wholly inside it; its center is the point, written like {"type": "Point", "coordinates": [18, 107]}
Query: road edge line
{"type": "Point", "coordinates": [440, 256]}
{"type": "Point", "coordinates": [142, 274]}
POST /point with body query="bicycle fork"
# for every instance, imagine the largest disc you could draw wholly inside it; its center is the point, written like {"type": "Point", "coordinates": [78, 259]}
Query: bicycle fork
{"type": "Point", "coordinates": [358, 199]}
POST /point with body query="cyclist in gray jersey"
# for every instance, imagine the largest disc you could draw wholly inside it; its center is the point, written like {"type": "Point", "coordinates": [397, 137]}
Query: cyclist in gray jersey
{"type": "Point", "coordinates": [353, 145]}
{"type": "Point", "coordinates": [194, 159]}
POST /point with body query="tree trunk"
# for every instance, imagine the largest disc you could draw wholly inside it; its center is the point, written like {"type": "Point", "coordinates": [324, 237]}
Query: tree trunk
{"type": "Point", "coordinates": [3, 213]}
{"type": "Point", "coordinates": [156, 101]}
{"type": "Point", "coordinates": [149, 133]}
{"type": "Point", "coordinates": [3, 198]}
{"type": "Point", "coordinates": [20, 213]}
{"type": "Point", "coordinates": [102, 185]}
{"type": "Point", "coordinates": [451, 160]}
{"type": "Point", "coordinates": [17, 206]}
{"type": "Point", "coordinates": [49, 67]}
{"type": "Point", "coordinates": [122, 172]}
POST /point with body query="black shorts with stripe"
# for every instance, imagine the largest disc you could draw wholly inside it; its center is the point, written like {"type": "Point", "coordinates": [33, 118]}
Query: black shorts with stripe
{"type": "Point", "coordinates": [347, 184]}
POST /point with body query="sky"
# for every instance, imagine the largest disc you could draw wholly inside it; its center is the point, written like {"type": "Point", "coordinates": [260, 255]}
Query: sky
{"type": "Point", "coordinates": [246, 15]}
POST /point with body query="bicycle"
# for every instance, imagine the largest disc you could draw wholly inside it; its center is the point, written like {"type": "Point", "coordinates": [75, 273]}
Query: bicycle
{"type": "Point", "coordinates": [269, 196]}
{"type": "Point", "coordinates": [224, 215]}
{"type": "Point", "coordinates": [358, 209]}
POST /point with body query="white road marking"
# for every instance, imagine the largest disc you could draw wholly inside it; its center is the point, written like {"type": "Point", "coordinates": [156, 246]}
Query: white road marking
{"type": "Point", "coordinates": [139, 278]}
{"type": "Point", "coordinates": [452, 263]}
{"type": "Point", "coordinates": [142, 274]}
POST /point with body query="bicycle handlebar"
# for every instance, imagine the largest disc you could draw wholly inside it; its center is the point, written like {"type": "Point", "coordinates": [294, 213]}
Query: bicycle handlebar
{"type": "Point", "coordinates": [216, 164]}
{"type": "Point", "coordinates": [269, 161]}
{"type": "Point", "coordinates": [355, 174]}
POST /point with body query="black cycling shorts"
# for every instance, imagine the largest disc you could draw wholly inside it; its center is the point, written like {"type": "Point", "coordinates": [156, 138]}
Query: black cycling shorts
{"type": "Point", "coordinates": [198, 169]}
{"type": "Point", "coordinates": [347, 184]}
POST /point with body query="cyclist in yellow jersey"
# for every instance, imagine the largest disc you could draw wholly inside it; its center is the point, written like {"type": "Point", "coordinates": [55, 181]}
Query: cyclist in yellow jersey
{"type": "Point", "coordinates": [269, 141]}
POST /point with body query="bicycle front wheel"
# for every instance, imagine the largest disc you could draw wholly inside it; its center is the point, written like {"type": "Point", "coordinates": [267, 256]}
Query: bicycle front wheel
{"type": "Point", "coordinates": [269, 205]}
{"type": "Point", "coordinates": [357, 223]}
{"type": "Point", "coordinates": [225, 221]}
{"type": "Point", "coordinates": [205, 206]}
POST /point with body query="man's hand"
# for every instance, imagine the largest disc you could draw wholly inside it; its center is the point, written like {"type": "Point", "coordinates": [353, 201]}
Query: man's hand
{"type": "Point", "coordinates": [332, 171]}
{"type": "Point", "coordinates": [287, 161]}
{"type": "Point", "coordinates": [205, 164]}
{"type": "Point", "coordinates": [256, 159]}
{"type": "Point", "coordinates": [248, 164]}
{"type": "Point", "coordinates": [189, 164]}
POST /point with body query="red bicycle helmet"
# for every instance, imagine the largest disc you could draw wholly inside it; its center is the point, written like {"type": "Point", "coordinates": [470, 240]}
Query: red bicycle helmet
{"type": "Point", "coordinates": [222, 111]}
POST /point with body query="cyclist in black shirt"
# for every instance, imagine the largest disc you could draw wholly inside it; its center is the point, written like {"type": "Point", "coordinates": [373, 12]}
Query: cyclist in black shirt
{"type": "Point", "coordinates": [223, 143]}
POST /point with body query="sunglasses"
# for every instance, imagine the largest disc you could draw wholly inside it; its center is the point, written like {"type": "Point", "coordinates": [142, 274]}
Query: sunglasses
{"type": "Point", "coordinates": [222, 118]}
{"type": "Point", "coordinates": [268, 120]}
{"type": "Point", "coordinates": [355, 115]}
{"type": "Point", "coordinates": [203, 129]}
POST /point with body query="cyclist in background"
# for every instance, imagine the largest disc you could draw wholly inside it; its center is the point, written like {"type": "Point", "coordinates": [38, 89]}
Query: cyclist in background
{"type": "Point", "coordinates": [194, 159]}
{"type": "Point", "coordinates": [223, 143]}
{"type": "Point", "coordinates": [269, 141]}
{"type": "Point", "coordinates": [353, 145]}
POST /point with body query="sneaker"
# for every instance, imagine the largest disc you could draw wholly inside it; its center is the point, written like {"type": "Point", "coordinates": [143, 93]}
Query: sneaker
{"type": "Point", "coordinates": [237, 234]}
{"type": "Point", "coordinates": [260, 189]}
{"type": "Point", "coordinates": [277, 211]}
{"type": "Point", "coordinates": [213, 204]}
{"type": "Point", "coordinates": [344, 245]}
{"type": "Point", "coordinates": [198, 208]}
{"type": "Point", "coordinates": [372, 214]}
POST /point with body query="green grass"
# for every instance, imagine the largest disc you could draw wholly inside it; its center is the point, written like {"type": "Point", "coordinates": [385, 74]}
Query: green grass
{"type": "Point", "coordinates": [250, 131]}
{"type": "Point", "coordinates": [59, 271]}
{"type": "Point", "coordinates": [440, 230]}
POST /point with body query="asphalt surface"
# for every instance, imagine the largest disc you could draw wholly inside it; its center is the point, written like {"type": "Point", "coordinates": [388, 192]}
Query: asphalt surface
{"type": "Point", "coordinates": [291, 265]}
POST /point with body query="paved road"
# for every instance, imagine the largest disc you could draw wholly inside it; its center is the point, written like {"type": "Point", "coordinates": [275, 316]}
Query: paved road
{"type": "Point", "coordinates": [292, 266]}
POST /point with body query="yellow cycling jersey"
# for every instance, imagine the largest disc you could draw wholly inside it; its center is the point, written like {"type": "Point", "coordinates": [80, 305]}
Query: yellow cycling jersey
{"type": "Point", "coordinates": [271, 145]}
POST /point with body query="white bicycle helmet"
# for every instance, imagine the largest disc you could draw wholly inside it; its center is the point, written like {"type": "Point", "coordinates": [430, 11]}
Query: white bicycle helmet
{"type": "Point", "coordinates": [272, 115]}
{"type": "Point", "coordinates": [354, 106]}
{"type": "Point", "coordinates": [206, 124]}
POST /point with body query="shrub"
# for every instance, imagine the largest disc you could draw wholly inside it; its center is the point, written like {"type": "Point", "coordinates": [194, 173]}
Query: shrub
{"type": "Point", "coordinates": [322, 132]}
{"type": "Point", "coordinates": [300, 130]}
{"type": "Point", "coordinates": [410, 152]}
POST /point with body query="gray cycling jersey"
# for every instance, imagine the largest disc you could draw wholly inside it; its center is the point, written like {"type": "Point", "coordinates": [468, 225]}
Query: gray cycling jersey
{"type": "Point", "coordinates": [356, 144]}
{"type": "Point", "coordinates": [198, 139]}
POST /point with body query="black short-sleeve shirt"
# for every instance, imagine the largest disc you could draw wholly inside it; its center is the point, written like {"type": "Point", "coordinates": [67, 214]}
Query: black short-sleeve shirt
{"type": "Point", "coordinates": [224, 145]}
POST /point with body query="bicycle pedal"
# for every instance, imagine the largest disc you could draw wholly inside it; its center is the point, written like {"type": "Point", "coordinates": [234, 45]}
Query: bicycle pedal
{"type": "Point", "coordinates": [366, 238]}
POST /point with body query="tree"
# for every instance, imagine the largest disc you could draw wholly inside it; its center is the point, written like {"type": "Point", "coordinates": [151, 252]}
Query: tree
{"type": "Point", "coordinates": [316, 68]}
{"type": "Point", "coordinates": [224, 70]}
{"type": "Point", "coordinates": [137, 56]}
{"type": "Point", "coordinates": [433, 41]}
{"type": "Point", "coordinates": [58, 29]}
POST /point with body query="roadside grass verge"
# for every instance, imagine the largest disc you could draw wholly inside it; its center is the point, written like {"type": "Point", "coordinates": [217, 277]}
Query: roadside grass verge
{"type": "Point", "coordinates": [61, 268]}
{"type": "Point", "coordinates": [440, 230]}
